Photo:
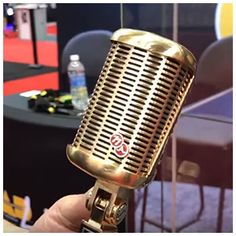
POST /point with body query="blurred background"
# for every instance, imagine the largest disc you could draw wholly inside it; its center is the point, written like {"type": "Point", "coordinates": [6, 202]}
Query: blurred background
{"type": "Point", "coordinates": [192, 191]}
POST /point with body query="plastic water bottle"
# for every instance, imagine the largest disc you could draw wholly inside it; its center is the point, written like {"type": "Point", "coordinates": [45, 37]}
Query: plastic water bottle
{"type": "Point", "coordinates": [78, 88]}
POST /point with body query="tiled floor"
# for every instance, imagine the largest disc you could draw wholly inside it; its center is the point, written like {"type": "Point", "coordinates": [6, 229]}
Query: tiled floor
{"type": "Point", "coordinates": [187, 207]}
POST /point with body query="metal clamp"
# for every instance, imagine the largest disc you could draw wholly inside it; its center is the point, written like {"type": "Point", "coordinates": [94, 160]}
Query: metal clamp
{"type": "Point", "coordinates": [108, 206]}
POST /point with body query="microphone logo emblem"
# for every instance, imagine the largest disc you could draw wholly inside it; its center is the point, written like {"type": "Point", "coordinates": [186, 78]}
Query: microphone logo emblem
{"type": "Point", "coordinates": [120, 147]}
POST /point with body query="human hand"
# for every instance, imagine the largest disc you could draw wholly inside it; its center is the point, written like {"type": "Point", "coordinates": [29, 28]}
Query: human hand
{"type": "Point", "coordinates": [65, 215]}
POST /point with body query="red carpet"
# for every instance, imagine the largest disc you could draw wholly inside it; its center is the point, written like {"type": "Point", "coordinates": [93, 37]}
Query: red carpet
{"type": "Point", "coordinates": [17, 50]}
{"type": "Point", "coordinates": [38, 82]}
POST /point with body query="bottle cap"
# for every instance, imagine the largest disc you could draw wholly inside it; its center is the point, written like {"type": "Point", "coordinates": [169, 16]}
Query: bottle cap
{"type": "Point", "coordinates": [74, 57]}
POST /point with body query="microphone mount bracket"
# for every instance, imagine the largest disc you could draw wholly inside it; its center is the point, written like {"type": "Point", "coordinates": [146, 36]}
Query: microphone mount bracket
{"type": "Point", "coordinates": [108, 206]}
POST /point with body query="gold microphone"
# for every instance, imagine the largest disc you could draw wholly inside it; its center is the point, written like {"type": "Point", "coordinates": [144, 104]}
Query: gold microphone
{"type": "Point", "coordinates": [133, 109]}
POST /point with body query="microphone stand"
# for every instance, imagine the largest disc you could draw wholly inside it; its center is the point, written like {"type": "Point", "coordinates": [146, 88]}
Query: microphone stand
{"type": "Point", "coordinates": [35, 65]}
{"type": "Point", "coordinates": [108, 204]}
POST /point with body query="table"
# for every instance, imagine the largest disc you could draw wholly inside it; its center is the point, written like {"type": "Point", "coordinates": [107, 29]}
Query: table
{"type": "Point", "coordinates": [218, 107]}
{"type": "Point", "coordinates": [16, 108]}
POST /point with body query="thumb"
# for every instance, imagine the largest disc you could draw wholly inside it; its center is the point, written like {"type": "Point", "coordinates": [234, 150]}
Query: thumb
{"type": "Point", "coordinates": [64, 216]}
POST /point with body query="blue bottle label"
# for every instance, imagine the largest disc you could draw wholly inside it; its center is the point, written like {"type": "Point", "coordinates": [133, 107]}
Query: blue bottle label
{"type": "Point", "coordinates": [78, 80]}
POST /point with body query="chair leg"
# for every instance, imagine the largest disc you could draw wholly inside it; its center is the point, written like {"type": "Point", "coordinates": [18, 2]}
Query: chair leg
{"type": "Point", "coordinates": [144, 208]}
{"type": "Point", "coordinates": [220, 210]}
{"type": "Point", "coordinates": [162, 205]}
{"type": "Point", "coordinates": [131, 213]}
{"type": "Point", "coordinates": [202, 202]}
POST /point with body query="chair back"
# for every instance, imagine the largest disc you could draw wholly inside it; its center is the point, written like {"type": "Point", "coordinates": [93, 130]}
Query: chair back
{"type": "Point", "coordinates": [92, 47]}
{"type": "Point", "coordinates": [215, 65]}
{"type": "Point", "coordinates": [214, 70]}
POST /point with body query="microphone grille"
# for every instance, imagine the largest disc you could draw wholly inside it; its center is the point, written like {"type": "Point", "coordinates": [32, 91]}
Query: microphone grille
{"type": "Point", "coordinates": [138, 95]}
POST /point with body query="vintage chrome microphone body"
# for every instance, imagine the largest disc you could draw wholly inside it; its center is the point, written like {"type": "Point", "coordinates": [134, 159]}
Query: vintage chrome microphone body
{"type": "Point", "coordinates": [130, 116]}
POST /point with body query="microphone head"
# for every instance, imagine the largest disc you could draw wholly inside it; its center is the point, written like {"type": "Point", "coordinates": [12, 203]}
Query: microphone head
{"type": "Point", "coordinates": [134, 106]}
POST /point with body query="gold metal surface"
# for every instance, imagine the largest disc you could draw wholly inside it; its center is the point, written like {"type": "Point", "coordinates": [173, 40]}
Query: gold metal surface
{"type": "Point", "coordinates": [155, 44]}
{"type": "Point", "coordinates": [130, 116]}
{"type": "Point", "coordinates": [139, 94]}
{"type": "Point", "coordinates": [108, 206]}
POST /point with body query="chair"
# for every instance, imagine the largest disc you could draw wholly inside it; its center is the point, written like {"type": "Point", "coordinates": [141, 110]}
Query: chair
{"type": "Point", "coordinates": [214, 70]}
{"type": "Point", "coordinates": [203, 143]}
{"type": "Point", "coordinates": [92, 47]}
